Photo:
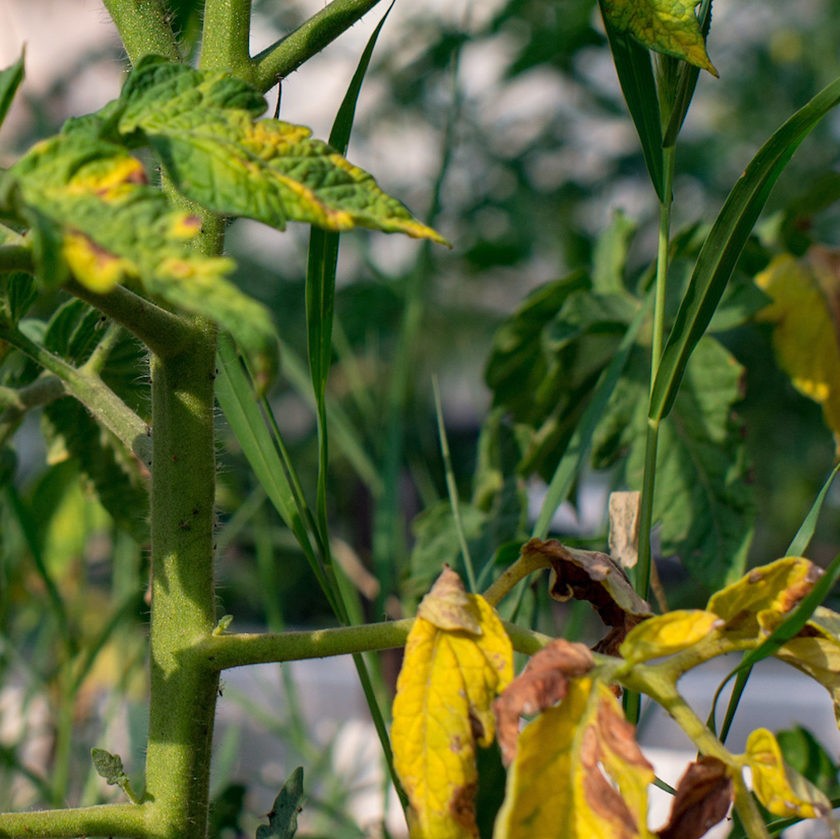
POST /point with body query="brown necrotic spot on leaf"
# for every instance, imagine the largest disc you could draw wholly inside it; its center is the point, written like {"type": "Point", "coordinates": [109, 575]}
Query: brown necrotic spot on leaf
{"type": "Point", "coordinates": [462, 808]}
{"type": "Point", "coordinates": [704, 796]}
{"type": "Point", "coordinates": [596, 577]}
{"type": "Point", "coordinates": [541, 684]}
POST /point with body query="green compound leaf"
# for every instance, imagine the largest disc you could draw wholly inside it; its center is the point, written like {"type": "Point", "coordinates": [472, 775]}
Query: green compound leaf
{"type": "Point", "coordinates": [203, 127]}
{"type": "Point", "coordinates": [93, 215]}
{"type": "Point", "coordinates": [667, 26]}
{"type": "Point", "coordinates": [282, 820]}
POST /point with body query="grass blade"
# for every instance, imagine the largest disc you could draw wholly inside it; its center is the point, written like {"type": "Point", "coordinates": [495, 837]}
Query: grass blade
{"type": "Point", "coordinates": [723, 245]}
{"type": "Point", "coordinates": [635, 75]}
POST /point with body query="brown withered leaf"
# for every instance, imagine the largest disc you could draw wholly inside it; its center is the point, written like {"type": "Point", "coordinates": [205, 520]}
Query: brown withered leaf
{"type": "Point", "coordinates": [596, 577]}
{"type": "Point", "coordinates": [542, 683]}
{"type": "Point", "coordinates": [704, 796]}
{"type": "Point", "coordinates": [448, 606]}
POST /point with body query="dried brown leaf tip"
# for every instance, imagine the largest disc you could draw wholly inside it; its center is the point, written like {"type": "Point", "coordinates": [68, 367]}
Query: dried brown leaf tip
{"type": "Point", "coordinates": [542, 683]}
{"type": "Point", "coordinates": [704, 796]}
{"type": "Point", "coordinates": [449, 607]}
{"type": "Point", "coordinates": [596, 577]}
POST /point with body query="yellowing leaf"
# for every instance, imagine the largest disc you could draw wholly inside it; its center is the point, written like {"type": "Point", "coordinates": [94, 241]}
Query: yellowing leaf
{"type": "Point", "coordinates": [203, 127]}
{"type": "Point", "coordinates": [779, 788]}
{"type": "Point", "coordinates": [578, 772]}
{"type": "Point", "coordinates": [443, 707]}
{"type": "Point", "coordinates": [667, 26]}
{"type": "Point", "coordinates": [668, 634]}
{"type": "Point", "coordinates": [759, 601]}
{"type": "Point", "coordinates": [816, 651]}
{"type": "Point", "coordinates": [805, 327]}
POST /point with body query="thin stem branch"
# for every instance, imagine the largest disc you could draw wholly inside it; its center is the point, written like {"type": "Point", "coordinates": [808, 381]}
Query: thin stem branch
{"type": "Point", "coordinates": [657, 341]}
{"type": "Point", "coordinates": [162, 331]}
{"type": "Point", "coordinates": [222, 652]}
{"type": "Point", "coordinates": [106, 407]}
{"type": "Point", "coordinates": [284, 57]}
{"type": "Point", "coordinates": [127, 820]}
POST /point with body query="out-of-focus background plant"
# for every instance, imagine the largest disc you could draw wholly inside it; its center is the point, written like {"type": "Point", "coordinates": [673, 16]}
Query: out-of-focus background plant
{"type": "Point", "coordinates": [512, 138]}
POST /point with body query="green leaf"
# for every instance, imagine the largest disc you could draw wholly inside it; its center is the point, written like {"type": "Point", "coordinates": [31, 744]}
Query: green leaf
{"type": "Point", "coordinates": [110, 767]}
{"type": "Point", "coordinates": [203, 127]}
{"type": "Point", "coordinates": [10, 80]}
{"type": "Point", "coordinates": [667, 26]}
{"type": "Point", "coordinates": [725, 242]}
{"type": "Point", "coordinates": [282, 820]}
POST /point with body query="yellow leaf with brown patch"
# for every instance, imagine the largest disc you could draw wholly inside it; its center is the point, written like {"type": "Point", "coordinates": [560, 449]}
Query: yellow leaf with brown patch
{"type": "Point", "coordinates": [757, 603]}
{"type": "Point", "coordinates": [779, 788]}
{"type": "Point", "coordinates": [458, 658]}
{"type": "Point", "coordinates": [578, 772]}
{"type": "Point", "coordinates": [95, 266]}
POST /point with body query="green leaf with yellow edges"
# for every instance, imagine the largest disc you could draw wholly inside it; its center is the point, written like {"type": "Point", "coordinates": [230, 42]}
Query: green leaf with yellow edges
{"type": "Point", "coordinates": [457, 660]}
{"type": "Point", "coordinates": [668, 634]}
{"type": "Point", "coordinates": [204, 129]}
{"type": "Point", "coordinates": [667, 26]}
{"type": "Point", "coordinates": [755, 605]}
{"type": "Point", "coordinates": [806, 325]}
{"type": "Point", "coordinates": [93, 215]}
{"type": "Point", "coordinates": [578, 772]}
{"type": "Point", "coordinates": [783, 791]}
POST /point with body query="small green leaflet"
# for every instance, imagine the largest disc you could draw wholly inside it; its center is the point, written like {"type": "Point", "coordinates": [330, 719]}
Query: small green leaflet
{"type": "Point", "coordinates": [667, 26]}
{"type": "Point", "coordinates": [282, 820]}
{"type": "Point", "coordinates": [110, 767]}
{"type": "Point", "coordinates": [10, 80]}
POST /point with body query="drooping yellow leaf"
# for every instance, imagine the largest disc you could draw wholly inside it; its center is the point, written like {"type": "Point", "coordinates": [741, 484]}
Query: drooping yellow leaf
{"type": "Point", "coordinates": [668, 634]}
{"type": "Point", "coordinates": [668, 26]}
{"type": "Point", "coordinates": [779, 788]}
{"type": "Point", "coordinates": [816, 651]}
{"type": "Point", "coordinates": [805, 326]}
{"type": "Point", "coordinates": [759, 601]}
{"type": "Point", "coordinates": [578, 772]}
{"type": "Point", "coordinates": [458, 658]}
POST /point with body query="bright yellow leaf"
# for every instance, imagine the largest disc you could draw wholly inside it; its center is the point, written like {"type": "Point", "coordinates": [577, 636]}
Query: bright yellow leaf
{"type": "Point", "coordinates": [458, 658]}
{"type": "Point", "coordinates": [668, 634]}
{"type": "Point", "coordinates": [779, 788]}
{"type": "Point", "coordinates": [759, 601]}
{"type": "Point", "coordinates": [578, 772]}
{"type": "Point", "coordinates": [805, 328]}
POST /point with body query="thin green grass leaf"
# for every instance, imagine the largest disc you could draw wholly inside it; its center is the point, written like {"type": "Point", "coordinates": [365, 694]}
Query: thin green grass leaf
{"type": "Point", "coordinates": [635, 75]}
{"type": "Point", "coordinates": [723, 245]}
{"type": "Point", "coordinates": [236, 396]}
{"type": "Point", "coordinates": [10, 79]}
{"type": "Point", "coordinates": [569, 467]}
{"type": "Point", "coordinates": [452, 490]}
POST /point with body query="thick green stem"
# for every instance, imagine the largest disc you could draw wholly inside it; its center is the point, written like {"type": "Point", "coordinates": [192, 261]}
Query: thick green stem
{"type": "Point", "coordinates": [144, 28]}
{"type": "Point", "coordinates": [279, 60]}
{"type": "Point", "coordinates": [225, 38]}
{"type": "Point", "coordinates": [183, 691]}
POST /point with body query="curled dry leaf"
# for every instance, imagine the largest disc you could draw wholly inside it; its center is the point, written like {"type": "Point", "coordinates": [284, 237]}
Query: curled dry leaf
{"type": "Point", "coordinates": [704, 796]}
{"type": "Point", "coordinates": [596, 577]}
{"type": "Point", "coordinates": [542, 683]}
{"type": "Point", "coordinates": [449, 607]}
